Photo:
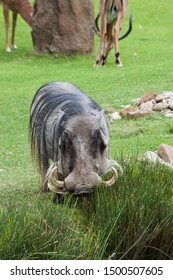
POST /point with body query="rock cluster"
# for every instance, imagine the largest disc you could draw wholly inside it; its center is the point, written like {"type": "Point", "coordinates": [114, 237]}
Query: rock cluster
{"type": "Point", "coordinates": [164, 155]}
{"type": "Point", "coordinates": [149, 104]}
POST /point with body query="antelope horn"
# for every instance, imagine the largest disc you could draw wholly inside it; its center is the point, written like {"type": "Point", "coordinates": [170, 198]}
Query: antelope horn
{"type": "Point", "coordinates": [114, 178]}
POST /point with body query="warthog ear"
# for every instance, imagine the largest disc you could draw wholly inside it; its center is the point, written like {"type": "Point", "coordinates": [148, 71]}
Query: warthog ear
{"type": "Point", "coordinates": [100, 115]}
{"type": "Point", "coordinates": [100, 140]}
{"type": "Point", "coordinates": [103, 120]}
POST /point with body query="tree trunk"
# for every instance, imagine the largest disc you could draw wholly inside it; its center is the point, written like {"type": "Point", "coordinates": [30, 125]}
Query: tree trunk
{"type": "Point", "coordinates": [63, 26]}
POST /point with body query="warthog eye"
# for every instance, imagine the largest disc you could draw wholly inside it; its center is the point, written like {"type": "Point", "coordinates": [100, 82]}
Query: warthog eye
{"type": "Point", "coordinates": [99, 141]}
{"type": "Point", "coordinates": [67, 149]}
{"type": "Point", "coordinates": [66, 142]}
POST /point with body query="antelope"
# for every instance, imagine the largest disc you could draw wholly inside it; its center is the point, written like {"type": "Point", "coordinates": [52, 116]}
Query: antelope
{"type": "Point", "coordinates": [111, 14]}
{"type": "Point", "coordinates": [21, 7]}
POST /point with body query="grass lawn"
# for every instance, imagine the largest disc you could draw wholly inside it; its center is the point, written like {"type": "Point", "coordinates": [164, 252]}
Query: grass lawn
{"type": "Point", "coordinates": [40, 229]}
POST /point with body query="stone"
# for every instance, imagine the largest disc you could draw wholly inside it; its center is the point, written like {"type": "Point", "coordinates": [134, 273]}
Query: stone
{"type": "Point", "coordinates": [109, 110]}
{"type": "Point", "coordinates": [126, 110]}
{"type": "Point", "coordinates": [147, 106]}
{"type": "Point", "coordinates": [138, 114]}
{"type": "Point", "coordinates": [115, 116]}
{"type": "Point", "coordinates": [167, 111]}
{"type": "Point", "coordinates": [166, 153]}
{"type": "Point", "coordinates": [169, 94]}
{"type": "Point", "coordinates": [161, 106]}
{"type": "Point", "coordinates": [63, 27]}
{"type": "Point", "coordinates": [170, 104]}
{"type": "Point", "coordinates": [135, 100]}
{"type": "Point", "coordinates": [155, 159]}
{"type": "Point", "coordinates": [169, 115]}
{"type": "Point", "coordinates": [146, 97]}
{"type": "Point", "coordinates": [152, 156]}
{"type": "Point", "coordinates": [161, 96]}
{"type": "Point", "coordinates": [125, 106]}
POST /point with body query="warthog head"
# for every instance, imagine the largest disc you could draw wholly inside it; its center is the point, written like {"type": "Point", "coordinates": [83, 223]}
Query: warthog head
{"type": "Point", "coordinates": [70, 129]}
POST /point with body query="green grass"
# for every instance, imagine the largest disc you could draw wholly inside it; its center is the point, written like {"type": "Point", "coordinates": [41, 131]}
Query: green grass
{"type": "Point", "coordinates": [133, 219]}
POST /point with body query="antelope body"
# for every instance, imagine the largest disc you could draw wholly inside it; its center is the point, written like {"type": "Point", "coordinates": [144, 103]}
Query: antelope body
{"type": "Point", "coordinates": [112, 13]}
{"type": "Point", "coordinates": [21, 7]}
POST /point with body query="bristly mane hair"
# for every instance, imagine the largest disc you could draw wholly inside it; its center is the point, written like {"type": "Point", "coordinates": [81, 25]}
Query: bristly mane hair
{"type": "Point", "coordinates": [49, 101]}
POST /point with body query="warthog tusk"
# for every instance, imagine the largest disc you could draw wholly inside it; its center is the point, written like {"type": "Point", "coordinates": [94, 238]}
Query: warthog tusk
{"type": "Point", "coordinates": [114, 178]}
{"type": "Point", "coordinates": [54, 189]}
{"type": "Point", "coordinates": [53, 180]}
{"type": "Point", "coordinates": [117, 166]}
{"type": "Point", "coordinates": [55, 185]}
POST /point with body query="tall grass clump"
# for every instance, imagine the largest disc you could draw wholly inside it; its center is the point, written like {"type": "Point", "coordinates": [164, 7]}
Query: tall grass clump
{"type": "Point", "coordinates": [133, 219]}
{"type": "Point", "coordinates": [37, 229]}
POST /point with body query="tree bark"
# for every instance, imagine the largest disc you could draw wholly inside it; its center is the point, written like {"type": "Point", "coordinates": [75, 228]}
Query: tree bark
{"type": "Point", "coordinates": [63, 26]}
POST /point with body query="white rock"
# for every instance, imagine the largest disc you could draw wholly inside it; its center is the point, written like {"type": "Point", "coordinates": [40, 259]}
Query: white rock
{"type": "Point", "coordinates": [136, 99]}
{"type": "Point", "coordinates": [161, 105]}
{"type": "Point", "coordinates": [153, 157]}
{"type": "Point", "coordinates": [170, 103]}
{"type": "Point", "coordinates": [160, 97]}
{"type": "Point", "coordinates": [147, 106]}
{"type": "Point", "coordinates": [115, 116]}
{"type": "Point", "coordinates": [169, 115]}
{"type": "Point", "coordinates": [169, 94]}
{"type": "Point", "coordinates": [125, 106]}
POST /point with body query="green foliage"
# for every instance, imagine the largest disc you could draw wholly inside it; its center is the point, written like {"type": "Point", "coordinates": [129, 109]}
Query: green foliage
{"type": "Point", "coordinates": [134, 218]}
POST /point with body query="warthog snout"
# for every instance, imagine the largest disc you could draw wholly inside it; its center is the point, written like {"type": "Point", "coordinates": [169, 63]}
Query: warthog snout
{"type": "Point", "coordinates": [82, 184]}
{"type": "Point", "coordinates": [77, 185]}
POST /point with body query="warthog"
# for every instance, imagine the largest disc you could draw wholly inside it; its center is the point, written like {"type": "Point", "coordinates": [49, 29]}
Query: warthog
{"type": "Point", "coordinates": [70, 130]}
